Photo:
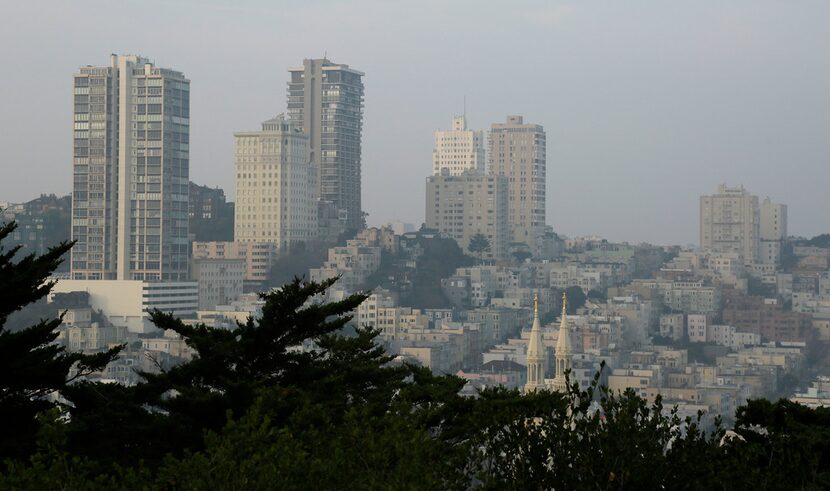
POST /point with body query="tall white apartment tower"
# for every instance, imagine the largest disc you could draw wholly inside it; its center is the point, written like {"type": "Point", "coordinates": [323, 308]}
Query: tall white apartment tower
{"type": "Point", "coordinates": [517, 151]}
{"type": "Point", "coordinates": [131, 167]}
{"type": "Point", "coordinates": [458, 150]}
{"type": "Point", "coordinates": [773, 231]}
{"type": "Point", "coordinates": [325, 99]}
{"type": "Point", "coordinates": [730, 222]}
{"type": "Point", "coordinates": [276, 193]}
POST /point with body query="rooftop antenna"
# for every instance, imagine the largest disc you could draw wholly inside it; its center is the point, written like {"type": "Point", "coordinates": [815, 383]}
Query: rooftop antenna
{"type": "Point", "coordinates": [325, 54]}
{"type": "Point", "coordinates": [465, 107]}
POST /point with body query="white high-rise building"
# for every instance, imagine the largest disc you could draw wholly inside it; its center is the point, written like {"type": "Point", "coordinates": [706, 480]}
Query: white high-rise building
{"type": "Point", "coordinates": [773, 230]}
{"type": "Point", "coordinates": [730, 222]}
{"type": "Point", "coordinates": [517, 151]}
{"type": "Point", "coordinates": [131, 168]}
{"type": "Point", "coordinates": [276, 194]}
{"type": "Point", "coordinates": [458, 150]}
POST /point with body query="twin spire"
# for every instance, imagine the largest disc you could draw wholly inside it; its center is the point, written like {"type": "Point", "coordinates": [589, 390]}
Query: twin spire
{"type": "Point", "coordinates": [536, 352]}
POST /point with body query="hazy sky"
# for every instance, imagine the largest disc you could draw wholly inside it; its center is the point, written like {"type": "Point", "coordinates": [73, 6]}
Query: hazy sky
{"type": "Point", "coordinates": [646, 104]}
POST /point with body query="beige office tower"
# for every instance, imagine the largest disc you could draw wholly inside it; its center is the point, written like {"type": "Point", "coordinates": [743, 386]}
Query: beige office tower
{"type": "Point", "coordinates": [730, 222]}
{"type": "Point", "coordinates": [469, 204]}
{"type": "Point", "coordinates": [130, 166]}
{"type": "Point", "coordinates": [517, 151]}
{"type": "Point", "coordinates": [773, 231]}
{"type": "Point", "coordinates": [458, 149]}
{"type": "Point", "coordinates": [276, 195]}
{"type": "Point", "coordinates": [326, 100]}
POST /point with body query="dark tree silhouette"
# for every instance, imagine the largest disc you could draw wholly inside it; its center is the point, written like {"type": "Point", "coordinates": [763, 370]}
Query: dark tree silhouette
{"type": "Point", "coordinates": [32, 368]}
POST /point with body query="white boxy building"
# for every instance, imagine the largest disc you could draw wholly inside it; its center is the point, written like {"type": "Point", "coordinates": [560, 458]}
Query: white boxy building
{"type": "Point", "coordinates": [127, 302]}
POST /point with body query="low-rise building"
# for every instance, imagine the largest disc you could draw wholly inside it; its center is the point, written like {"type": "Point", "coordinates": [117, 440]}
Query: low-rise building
{"type": "Point", "coordinates": [220, 280]}
{"type": "Point", "coordinates": [127, 303]}
{"type": "Point", "coordinates": [257, 256]}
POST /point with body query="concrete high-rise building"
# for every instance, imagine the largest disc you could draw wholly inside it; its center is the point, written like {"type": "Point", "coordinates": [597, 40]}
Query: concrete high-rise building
{"type": "Point", "coordinates": [276, 195]}
{"type": "Point", "coordinates": [458, 149]}
{"type": "Point", "coordinates": [325, 99]}
{"type": "Point", "coordinates": [517, 151]}
{"type": "Point", "coordinates": [773, 231]}
{"type": "Point", "coordinates": [730, 222]}
{"type": "Point", "coordinates": [130, 166]}
{"type": "Point", "coordinates": [469, 204]}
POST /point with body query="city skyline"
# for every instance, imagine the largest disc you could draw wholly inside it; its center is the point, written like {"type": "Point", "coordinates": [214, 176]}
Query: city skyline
{"type": "Point", "coordinates": [703, 94]}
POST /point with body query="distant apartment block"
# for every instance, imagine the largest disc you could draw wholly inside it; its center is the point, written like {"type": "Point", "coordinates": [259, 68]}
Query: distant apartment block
{"type": "Point", "coordinates": [767, 318]}
{"type": "Point", "coordinates": [773, 231]}
{"type": "Point", "coordinates": [205, 202]}
{"type": "Point", "coordinates": [673, 326]}
{"type": "Point", "coordinates": [353, 262]}
{"type": "Point", "coordinates": [325, 100]}
{"type": "Point", "coordinates": [276, 195]}
{"type": "Point", "coordinates": [469, 204]}
{"type": "Point", "coordinates": [258, 258]}
{"type": "Point", "coordinates": [130, 167]}
{"type": "Point", "coordinates": [517, 151]}
{"type": "Point", "coordinates": [220, 280]}
{"type": "Point", "coordinates": [730, 222]}
{"type": "Point", "coordinates": [458, 150]}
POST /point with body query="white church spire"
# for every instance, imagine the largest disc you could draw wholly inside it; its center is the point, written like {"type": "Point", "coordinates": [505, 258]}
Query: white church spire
{"type": "Point", "coordinates": [535, 353]}
{"type": "Point", "coordinates": [564, 351]}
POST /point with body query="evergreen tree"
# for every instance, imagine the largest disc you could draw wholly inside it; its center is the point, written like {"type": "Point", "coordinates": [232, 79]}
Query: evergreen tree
{"type": "Point", "coordinates": [479, 244]}
{"type": "Point", "coordinates": [34, 370]}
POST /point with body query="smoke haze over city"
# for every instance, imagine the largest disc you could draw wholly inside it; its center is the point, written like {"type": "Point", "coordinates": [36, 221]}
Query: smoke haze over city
{"type": "Point", "coordinates": [646, 104]}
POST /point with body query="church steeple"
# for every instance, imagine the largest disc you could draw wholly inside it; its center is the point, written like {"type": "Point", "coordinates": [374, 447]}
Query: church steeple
{"type": "Point", "coordinates": [564, 351]}
{"type": "Point", "coordinates": [535, 353]}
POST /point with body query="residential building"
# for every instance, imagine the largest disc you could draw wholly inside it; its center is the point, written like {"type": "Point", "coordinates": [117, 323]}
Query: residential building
{"type": "Point", "coordinates": [353, 262]}
{"type": "Point", "coordinates": [731, 337]}
{"type": "Point", "coordinates": [466, 205]}
{"type": "Point", "coordinates": [220, 280]}
{"type": "Point", "coordinates": [131, 167]}
{"type": "Point", "coordinates": [205, 202]}
{"type": "Point", "coordinates": [517, 151]}
{"type": "Point", "coordinates": [276, 195]}
{"type": "Point", "coordinates": [766, 317]}
{"type": "Point", "coordinates": [672, 326]}
{"type": "Point", "coordinates": [773, 231]}
{"type": "Point", "coordinates": [458, 150]}
{"type": "Point", "coordinates": [258, 258]}
{"type": "Point", "coordinates": [730, 222]}
{"type": "Point", "coordinates": [325, 100]}
{"type": "Point", "coordinates": [698, 327]}
{"type": "Point", "coordinates": [42, 223]}
{"type": "Point", "coordinates": [127, 303]}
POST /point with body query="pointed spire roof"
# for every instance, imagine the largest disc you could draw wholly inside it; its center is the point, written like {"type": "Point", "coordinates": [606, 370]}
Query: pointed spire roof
{"type": "Point", "coordinates": [534, 347]}
{"type": "Point", "coordinates": [563, 344]}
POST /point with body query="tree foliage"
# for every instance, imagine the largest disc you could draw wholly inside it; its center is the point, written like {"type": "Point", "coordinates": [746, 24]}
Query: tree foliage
{"type": "Point", "coordinates": [296, 263]}
{"type": "Point", "coordinates": [33, 370]}
{"type": "Point", "coordinates": [440, 258]}
{"type": "Point", "coordinates": [479, 244]}
{"type": "Point", "coordinates": [576, 298]}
